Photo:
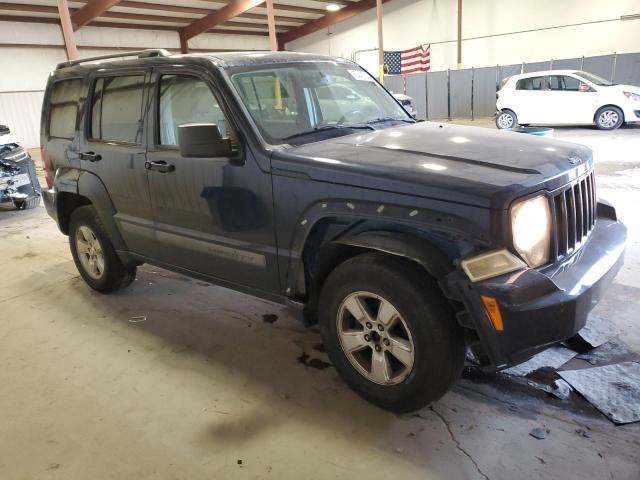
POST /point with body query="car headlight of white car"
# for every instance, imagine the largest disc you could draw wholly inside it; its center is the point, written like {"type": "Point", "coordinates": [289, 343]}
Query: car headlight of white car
{"type": "Point", "coordinates": [632, 96]}
{"type": "Point", "coordinates": [531, 229]}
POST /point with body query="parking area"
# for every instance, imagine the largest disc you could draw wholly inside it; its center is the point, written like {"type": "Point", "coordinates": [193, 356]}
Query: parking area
{"type": "Point", "coordinates": [175, 378]}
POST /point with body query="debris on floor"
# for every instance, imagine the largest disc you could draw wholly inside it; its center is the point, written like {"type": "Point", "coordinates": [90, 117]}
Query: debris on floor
{"type": "Point", "coordinates": [553, 357]}
{"type": "Point", "coordinates": [597, 331]}
{"type": "Point", "coordinates": [539, 433]}
{"type": "Point", "coordinates": [138, 318]}
{"type": "Point", "coordinates": [312, 362]}
{"type": "Point", "coordinates": [614, 351]}
{"type": "Point", "coordinates": [269, 318]}
{"type": "Point", "coordinates": [612, 389]}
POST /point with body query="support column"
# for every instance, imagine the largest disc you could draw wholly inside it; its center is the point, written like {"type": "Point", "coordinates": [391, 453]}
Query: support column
{"type": "Point", "coordinates": [459, 34]}
{"type": "Point", "coordinates": [380, 41]}
{"type": "Point", "coordinates": [184, 41]}
{"type": "Point", "coordinates": [271, 21]}
{"type": "Point", "coordinates": [67, 30]}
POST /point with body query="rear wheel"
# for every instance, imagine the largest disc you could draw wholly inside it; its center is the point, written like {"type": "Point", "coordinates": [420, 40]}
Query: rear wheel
{"type": "Point", "coordinates": [609, 118]}
{"type": "Point", "coordinates": [94, 254]}
{"type": "Point", "coordinates": [506, 119]}
{"type": "Point", "coordinates": [389, 332]}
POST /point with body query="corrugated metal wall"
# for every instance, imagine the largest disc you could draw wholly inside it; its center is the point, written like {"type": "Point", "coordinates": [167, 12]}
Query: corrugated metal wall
{"type": "Point", "coordinates": [452, 97]}
{"type": "Point", "coordinates": [20, 111]}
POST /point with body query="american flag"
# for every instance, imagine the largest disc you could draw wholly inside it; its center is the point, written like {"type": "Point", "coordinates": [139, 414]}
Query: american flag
{"type": "Point", "coordinates": [408, 61]}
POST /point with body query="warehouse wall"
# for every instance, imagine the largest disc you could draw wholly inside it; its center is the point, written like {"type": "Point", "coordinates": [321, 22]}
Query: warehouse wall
{"type": "Point", "coordinates": [25, 70]}
{"type": "Point", "coordinates": [494, 31]}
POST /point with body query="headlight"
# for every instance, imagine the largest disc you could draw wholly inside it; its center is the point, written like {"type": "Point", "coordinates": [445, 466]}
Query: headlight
{"type": "Point", "coordinates": [632, 96]}
{"type": "Point", "coordinates": [531, 229]}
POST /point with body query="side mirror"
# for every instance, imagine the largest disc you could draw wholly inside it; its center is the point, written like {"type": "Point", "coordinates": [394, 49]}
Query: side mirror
{"type": "Point", "coordinates": [203, 140]}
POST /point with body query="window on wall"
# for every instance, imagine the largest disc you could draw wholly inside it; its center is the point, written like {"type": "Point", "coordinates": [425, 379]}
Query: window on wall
{"type": "Point", "coordinates": [117, 110]}
{"type": "Point", "coordinates": [64, 108]}
{"type": "Point", "coordinates": [532, 83]}
{"type": "Point", "coordinates": [184, 99]}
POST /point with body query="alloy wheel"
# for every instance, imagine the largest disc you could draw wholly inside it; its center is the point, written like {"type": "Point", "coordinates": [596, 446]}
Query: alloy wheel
{"type": "Point", "coordinates": [375, 338]}
{"type": "Point", "coordinates": [608, 118]}
{"type": "Point", "coordinates": [90, 252]}
{"type": "Point", "coordinates": [505, 120]}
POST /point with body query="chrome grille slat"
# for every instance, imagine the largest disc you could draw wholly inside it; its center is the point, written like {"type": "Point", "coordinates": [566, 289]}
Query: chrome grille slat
{"type": "Point", "coordinates": [575, 211]}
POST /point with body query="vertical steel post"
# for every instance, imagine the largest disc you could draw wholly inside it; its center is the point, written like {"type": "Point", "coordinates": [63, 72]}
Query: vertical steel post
{"type": "Point", "coordinates": [472, 81]}
{"type": "Point", "coordinates": [380, 41]}
{"type": "Point", "coordinates": [271, 23]}
{"type": "Point", "coordinates": [613, 70]}
{"type": "Point", "coordinates": [582, 63]}
{"type": "Point", "coordinates": [67, 30]}
{"type": "Point", "coordinates": [449, 94]}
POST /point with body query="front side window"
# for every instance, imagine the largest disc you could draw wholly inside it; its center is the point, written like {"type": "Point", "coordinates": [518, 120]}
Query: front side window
{"type": "Point", "coordinates": [64, 108]}
{"type": "Point", "coordinates": [116, 110]}
{"type": "Point", "coordinates": [183, 100]}
{"type": "Point", "coordinates": [301, 99]}
{"type": "Point", "coordinates": [531, 83]}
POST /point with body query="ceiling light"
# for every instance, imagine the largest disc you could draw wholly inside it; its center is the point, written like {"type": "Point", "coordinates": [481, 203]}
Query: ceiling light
{"type": "Point", "coordinates": [333, 7]}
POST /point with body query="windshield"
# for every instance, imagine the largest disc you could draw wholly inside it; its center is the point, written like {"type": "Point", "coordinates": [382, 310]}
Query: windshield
{"type": "Point", "coordinates": [593, 79]}
{"type": "Point", "coordinates": [307, 101]}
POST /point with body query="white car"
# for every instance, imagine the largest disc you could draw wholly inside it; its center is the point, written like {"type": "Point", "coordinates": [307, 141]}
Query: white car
{"type": "Point", "coordinates": [406, 102]}
{"type": "Point", "coordinates": [566, 97]}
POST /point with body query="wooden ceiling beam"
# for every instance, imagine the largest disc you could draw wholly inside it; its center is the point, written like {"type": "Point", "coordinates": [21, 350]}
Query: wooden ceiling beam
{"type": "Point", "coordinates": [328, 20]}
{"type": "Point", "coordinates": [229, 11]}
{"type": "Point", "coordinates": [91, 11]}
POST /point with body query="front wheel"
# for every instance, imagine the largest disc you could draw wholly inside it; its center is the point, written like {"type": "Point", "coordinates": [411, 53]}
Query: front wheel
{"type": "Point", "coordinates": [389, 332]}
{"type": "Point", "coordinates": [609, 118]}
{"type": "Point", "coordinates": [94, 254]}
{"type": "Point", "coordinates": [506, 119]}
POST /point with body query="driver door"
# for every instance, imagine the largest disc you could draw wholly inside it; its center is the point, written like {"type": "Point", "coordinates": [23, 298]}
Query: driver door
{"type": "Point", "coordinates": [212, 215]}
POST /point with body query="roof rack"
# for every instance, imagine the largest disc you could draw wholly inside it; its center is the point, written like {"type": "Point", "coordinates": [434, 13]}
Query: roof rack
{"type": "Point", "coordinates": [152, 52]}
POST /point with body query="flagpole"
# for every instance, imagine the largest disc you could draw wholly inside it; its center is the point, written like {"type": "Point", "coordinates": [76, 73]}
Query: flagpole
{"type": "Point", "coordinates": [380, 43]}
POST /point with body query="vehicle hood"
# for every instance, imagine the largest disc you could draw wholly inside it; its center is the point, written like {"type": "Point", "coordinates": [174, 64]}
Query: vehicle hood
{"type": "Point", "coordinates": [623, 88]}
{"type": "Point", "coordinates": [476, 166]}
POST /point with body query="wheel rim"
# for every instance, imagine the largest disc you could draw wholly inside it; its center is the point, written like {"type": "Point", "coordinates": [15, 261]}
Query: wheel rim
{"type": "Point", "coordinates": [375, 338]}
{"type": "Point", "coordinates": [90, 252]}
{"type": "Point", "coordinates": [505, 120]}
{"type": "Point", "coordinates": [608, 118]}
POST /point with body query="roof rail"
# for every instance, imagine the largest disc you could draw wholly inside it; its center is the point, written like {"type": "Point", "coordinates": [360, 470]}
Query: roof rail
{"type": "Point", "coordinates": [152, 52]}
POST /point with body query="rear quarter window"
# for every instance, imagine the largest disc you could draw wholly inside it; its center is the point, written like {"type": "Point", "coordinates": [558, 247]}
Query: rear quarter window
{"type": "Point", "coordinates": [64, 99]}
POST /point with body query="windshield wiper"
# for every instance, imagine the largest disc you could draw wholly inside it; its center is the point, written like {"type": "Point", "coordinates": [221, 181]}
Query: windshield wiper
{"type": "Point", "coordinates": [390, 119]}
{"type": "Point", "coordinates": [323, 128]}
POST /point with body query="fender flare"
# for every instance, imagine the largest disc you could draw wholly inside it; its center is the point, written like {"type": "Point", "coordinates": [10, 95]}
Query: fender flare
{"type": "Point", "coordinates": [91, 187]}
{"type": "Point", "coordinates": [416, 249]}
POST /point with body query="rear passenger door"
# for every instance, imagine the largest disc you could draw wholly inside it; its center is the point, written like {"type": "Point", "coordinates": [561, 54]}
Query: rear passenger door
{"type": "Point", "coordinates": [113, 148]}
{"type": "Point", "coordinates": [212, 215]}
{"type": "Point", "coordinates": [530, 105]}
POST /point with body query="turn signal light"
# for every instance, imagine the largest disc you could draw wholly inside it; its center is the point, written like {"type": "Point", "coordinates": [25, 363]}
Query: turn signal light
{"type": "Point", "coordinates": [493, 311]}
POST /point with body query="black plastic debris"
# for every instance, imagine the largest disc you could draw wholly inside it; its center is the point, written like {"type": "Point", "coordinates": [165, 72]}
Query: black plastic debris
{"type": "Point", "coordinates": [612, 389]}
{"type": "Point", "coordinates": [553, 357]}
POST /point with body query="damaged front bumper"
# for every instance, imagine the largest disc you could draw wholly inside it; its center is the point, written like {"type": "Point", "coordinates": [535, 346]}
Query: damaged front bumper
{"type": "Point", "coordinates": [540, 308]}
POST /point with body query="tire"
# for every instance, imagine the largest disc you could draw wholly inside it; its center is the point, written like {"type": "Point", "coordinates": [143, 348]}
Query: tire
{"type": "Point", "coordinates": [506, 119]}
{"type": "Point", "coordinates": [88, 240]}
{"type": "Point", "coordinates": [424, 322]}
{"type": "Point", "coordinates": [609, 118]}
{"type": "Point", "coordinates": [27, 203]}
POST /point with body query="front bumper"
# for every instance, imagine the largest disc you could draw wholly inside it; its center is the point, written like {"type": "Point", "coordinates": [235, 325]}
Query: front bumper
{"type": "Point", "coordinates": [540, 308]}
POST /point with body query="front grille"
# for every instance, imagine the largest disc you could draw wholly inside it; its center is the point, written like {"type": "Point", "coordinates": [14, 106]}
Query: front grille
{"type": "Point", "coordinates": [574, 212]}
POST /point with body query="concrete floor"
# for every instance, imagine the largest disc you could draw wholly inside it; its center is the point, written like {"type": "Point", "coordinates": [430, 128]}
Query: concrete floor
{"type": "Point", "coordinates": [206, 388]}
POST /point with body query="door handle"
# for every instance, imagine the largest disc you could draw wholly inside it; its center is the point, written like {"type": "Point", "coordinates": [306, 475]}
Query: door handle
{"type": "Point", "coordinates": [90, 156]}
{"type": "Point", "coordinates": [159, 166]}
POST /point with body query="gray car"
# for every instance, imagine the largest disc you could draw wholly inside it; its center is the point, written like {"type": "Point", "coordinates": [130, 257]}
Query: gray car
{"type": "Point", "coordinates": [408, 242]}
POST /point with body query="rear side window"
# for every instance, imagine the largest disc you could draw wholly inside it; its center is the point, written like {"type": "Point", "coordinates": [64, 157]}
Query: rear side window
{"type": "Point", "coordinates": [563, 82]}
{"type": "Point", "coordinates": [64, 108]}
{"type": "Point", "coordinates": [531, 83]}
{"type": "Point", "coordinates": [116, 109]}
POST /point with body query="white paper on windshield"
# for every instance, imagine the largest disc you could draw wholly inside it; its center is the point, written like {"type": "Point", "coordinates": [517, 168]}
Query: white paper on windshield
{"type": "Point", "coordinates": [360, 75]}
